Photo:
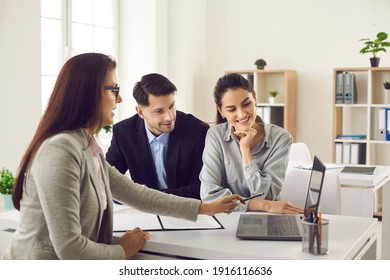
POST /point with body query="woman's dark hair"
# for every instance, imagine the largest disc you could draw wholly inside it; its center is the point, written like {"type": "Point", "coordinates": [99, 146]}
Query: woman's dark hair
{"type": "Point", "coordinates": [75, 102]}
{"type": "Point", "coordinates": [229, 81]}
{"type": "Point", "coordinates": [154, 84]}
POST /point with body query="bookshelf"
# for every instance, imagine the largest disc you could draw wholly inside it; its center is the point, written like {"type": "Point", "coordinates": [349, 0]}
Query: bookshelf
{"type": "Point", "coordinates": [362, 117]}
{"type": "Point", "coordinates": [283, 111]}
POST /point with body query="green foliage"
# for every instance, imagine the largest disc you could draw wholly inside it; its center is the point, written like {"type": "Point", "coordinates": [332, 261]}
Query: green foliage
{"type": "Point", "coordinates": [273, 93]}
{"type": "Point", "coordinates": [6, 181]}
{"type": "Point", "coordinates": [377, 45]}
{"type": "Point", "coordinates": [107, 128]}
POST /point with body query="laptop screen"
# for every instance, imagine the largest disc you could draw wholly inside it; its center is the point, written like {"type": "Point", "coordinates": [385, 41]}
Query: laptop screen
{"type": "Point", "coordinates": [284, 227]}
{"type": "Point", "coordinates": [314, 191]}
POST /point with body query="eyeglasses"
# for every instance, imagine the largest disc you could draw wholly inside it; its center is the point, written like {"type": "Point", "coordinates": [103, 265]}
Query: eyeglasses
{"type": "Point", "coordinates": [114, 89]}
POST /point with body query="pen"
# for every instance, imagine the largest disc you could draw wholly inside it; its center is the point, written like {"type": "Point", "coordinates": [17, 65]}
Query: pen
{"type": "Point", "coordinates": [320, 225]}
{"type": "Point", "coordinates": [253, 196]}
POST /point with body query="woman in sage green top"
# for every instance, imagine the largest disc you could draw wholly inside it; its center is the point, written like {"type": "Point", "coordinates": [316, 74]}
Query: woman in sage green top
{"type": "Point", "coordinates": [64, 187]}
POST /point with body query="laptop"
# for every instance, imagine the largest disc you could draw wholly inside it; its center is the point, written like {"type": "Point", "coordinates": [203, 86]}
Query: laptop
{"type": "Point", "coordinates": [284, 227]}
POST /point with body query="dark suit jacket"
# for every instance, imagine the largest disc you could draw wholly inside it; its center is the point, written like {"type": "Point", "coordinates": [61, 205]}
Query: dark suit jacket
{"type": "Point", "coordinates": [130, 150]}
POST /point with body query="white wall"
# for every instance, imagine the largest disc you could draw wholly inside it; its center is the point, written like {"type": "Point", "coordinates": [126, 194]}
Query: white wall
{"type": "Point", "coordinates": [312, 37]}
{"type": "Point", "coordinates": [143, 46]}
{"type": "Point", "coordinates": [20, 77]}
{"type": "Point", "coordinates": [192, 42]}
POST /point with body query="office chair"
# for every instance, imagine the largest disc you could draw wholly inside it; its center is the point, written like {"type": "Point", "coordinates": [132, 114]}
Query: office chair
{"type": "Point", "coordinates": [295, 189]}
{"type": "Point", "coordinates": [299, 152]}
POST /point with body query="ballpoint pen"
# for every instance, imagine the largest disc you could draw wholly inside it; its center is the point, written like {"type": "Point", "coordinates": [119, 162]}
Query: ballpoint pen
{"type": "Point", "coordinates": [320, 226]}
{"type": "Point", "coordinates": [253, 196]}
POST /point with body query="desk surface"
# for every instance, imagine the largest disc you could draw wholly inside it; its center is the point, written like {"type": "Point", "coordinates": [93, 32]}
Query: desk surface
{"type": "Point", "coordinates": [347, 236]}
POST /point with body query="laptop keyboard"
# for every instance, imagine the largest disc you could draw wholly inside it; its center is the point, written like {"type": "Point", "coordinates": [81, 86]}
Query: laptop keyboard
{"type": "Point", "coordinates": [283, 226]}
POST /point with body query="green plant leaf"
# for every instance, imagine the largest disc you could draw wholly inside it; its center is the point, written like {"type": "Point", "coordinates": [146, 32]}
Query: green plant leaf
{"type": "Point", "coordinates": [381, 36]}
{"type": "Point", "coordinates": [6, 181]}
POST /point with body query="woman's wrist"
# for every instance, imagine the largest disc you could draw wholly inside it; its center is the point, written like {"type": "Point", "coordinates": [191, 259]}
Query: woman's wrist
{"type": "Point", "coordinates": [258, 205]}
{"type": "Point", "coordinates": [246, 155]}
{"type": "Point", "coordinates": [203, 208]}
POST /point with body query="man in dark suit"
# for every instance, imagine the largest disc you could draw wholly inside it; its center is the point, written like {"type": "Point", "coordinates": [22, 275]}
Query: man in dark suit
{"type": "Point", "coordinates": [161, 147]}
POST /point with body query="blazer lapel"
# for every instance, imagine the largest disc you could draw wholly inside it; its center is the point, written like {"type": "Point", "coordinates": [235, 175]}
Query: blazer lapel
{"type": "Point", "coordinates": [93, 175]}
{"type": "Point", "coordinates": [94, 178]}
{"type": "Point", "coordinates": [172, 156]}
{"type": "Point", "coordinates": [105, 234]}
{"type": "Point", "coordinates": [95, 181]}
{"type": "Point", "coordinates": [144, 149]}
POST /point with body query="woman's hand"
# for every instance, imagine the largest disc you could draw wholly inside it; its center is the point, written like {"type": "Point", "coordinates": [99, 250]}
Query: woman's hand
{"type": "Point", "coordinates": [224, 204]}
{"type": "Point", "coordinates": [278, 207]}
{"type": "Point", "coordinates": [246, 137]}
{"type": "Point", "coordinates": [133, 240]}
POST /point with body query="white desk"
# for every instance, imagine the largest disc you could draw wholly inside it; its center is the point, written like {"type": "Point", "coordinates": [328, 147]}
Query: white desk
{"type": "Point", "coordinates": [9, 221]}
{"type": "Point", "coordinates": [349, 238]}
{"type": "Point", "coordinates": [358, 194]}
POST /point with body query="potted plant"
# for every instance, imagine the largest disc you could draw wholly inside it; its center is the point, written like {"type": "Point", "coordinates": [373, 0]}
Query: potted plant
{"type": "Point", "coordinates": [6, 183]}
{"type": "Point", "coordinates": [374, 46]}
{"type": "Point", "coordinates": [272, 96]}
{"type": "Point", "coordinates": [260, 63]}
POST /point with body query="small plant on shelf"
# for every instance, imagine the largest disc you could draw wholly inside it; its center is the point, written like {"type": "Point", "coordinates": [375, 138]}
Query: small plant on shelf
{"type": "Point", "coordinates": [272, 96]}
{"type": "Point", "coordinates": [6, 181]}
{"type": "Point", "coordinates": [374, 46]}
{"type": "Point", "coordinates": [260, 63]}
{"type": "Point", "coordinates": [273, 93]}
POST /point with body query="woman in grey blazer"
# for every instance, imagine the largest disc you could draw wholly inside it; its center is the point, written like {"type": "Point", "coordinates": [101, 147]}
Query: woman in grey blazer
{"type": "Point", "coordinates": [64, 187]}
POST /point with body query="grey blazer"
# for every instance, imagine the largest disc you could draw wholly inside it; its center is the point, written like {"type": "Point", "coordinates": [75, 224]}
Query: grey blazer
{"type": "Point", "coordinates": [61, 212]}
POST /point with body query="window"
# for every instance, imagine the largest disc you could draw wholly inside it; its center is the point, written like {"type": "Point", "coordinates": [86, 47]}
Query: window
{"type": "Point", "coordinates": [71, 27]}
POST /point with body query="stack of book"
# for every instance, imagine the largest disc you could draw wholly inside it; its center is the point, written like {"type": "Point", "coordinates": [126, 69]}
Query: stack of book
{"type": "Point", "coordinates": [383, 124]}
{"type": "Point", "coordinates": [346, 91]}
{"type": "Point", "coordinates": [350, 153]}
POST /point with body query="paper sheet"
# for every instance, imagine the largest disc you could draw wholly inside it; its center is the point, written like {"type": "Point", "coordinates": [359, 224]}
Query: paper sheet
{"type": "Point", "coordinates": [203, 222]}
{"type": "Point", "coordinates": [126, 219]}
{"type": "Point", "coordinates": [129, 221]}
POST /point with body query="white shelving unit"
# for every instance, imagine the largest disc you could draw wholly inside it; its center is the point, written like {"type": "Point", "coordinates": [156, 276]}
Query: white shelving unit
{"type": "Point", "coordinates": [362, 117]}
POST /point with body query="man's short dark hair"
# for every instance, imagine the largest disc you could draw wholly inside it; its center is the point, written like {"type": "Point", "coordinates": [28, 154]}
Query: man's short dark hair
{"type": "Point", "coordinates": [154, 84]}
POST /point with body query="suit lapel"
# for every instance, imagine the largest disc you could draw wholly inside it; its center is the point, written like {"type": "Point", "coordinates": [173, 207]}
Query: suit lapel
{"type": "Point", "coordinates": [95, 181]}
{"type": "Point", "coordinates": [94, 178]}
{"type": "Point", "coordinates": [105, 234]}
{"type": "Point", "coordinates": [144, 149]}
{"type": "Point", "coordinates": [93, 175]}
{"type": "Point", "coordinates": [174, 143]}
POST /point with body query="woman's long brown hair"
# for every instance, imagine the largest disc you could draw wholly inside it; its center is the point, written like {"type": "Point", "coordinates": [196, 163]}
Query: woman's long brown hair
{"type": "Point", "coordinates": [74, 103]}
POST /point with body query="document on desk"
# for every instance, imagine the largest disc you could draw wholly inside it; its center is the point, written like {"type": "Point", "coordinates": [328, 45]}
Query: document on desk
{"type": "Point", "coordinates": [203, 222]}
{"type": "Point", "coordinates": [150, 222]}
{"type": "Point", "coordinates": [128, 221]}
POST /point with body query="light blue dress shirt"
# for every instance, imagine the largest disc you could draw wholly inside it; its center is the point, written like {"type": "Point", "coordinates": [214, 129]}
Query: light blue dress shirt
{"type": "Point", "coordinates": [159, 148]}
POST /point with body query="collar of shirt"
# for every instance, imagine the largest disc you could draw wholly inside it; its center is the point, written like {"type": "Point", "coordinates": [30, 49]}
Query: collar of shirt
{"type": "Point", "coordinates": [94, 145]}
{"type": "Point", "coordinates": [229, 134]}
{"type": "Point", "coordinates": [162, 138]}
